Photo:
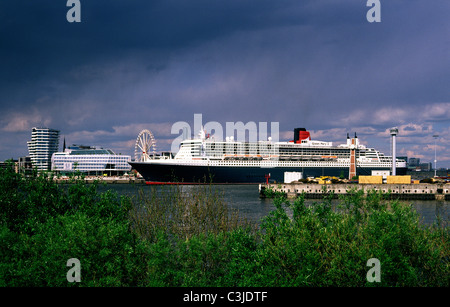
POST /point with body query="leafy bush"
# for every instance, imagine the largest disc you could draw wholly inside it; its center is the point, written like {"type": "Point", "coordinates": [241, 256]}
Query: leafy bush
{"type": "Point", "coordinates": [319, 246]}
{"type": "Point", "coordinates": [44, 224]}
{"type": "Point", "coordinates": [105, 249]}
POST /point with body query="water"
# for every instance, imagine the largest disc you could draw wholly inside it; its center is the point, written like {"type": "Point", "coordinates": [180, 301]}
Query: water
{"type": "Point", "coordinates": [245, 198]}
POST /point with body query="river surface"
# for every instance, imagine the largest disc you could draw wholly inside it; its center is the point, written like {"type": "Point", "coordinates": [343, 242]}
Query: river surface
{"type": "Point", "coordinates": [245, 198]}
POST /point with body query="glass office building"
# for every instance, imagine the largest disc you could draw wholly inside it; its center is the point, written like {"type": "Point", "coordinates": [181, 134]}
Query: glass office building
{"type": "Point", "coordinates": [44, 142]}
{"type": "Point", "coordinates": [91, 161]}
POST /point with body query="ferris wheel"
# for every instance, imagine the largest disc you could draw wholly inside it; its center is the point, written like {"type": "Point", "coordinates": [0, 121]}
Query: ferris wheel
{"type": "Point", "coordinates": [145, 145]}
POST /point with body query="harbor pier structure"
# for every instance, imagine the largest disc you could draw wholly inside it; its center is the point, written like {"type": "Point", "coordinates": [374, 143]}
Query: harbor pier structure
{"type": "Point", "coordinates": [425, 191]}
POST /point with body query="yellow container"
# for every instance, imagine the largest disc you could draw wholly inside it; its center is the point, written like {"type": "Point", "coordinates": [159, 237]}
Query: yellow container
{"type": "Point", "coordinates": [370, 179]}
{"type": "Point", "coordinates": [398, 179]}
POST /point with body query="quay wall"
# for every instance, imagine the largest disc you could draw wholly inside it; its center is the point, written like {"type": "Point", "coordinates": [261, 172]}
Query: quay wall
{"type": "Point", "coordinates": [397, 191]}
{"type": "Point", "coordinates": [105, 180]}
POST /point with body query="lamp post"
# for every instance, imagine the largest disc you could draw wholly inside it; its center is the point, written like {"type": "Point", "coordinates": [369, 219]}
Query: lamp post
{"type": "Point", "coordinates": [394, 131]}
{"type": "Point", "coordinates": [435, 165]}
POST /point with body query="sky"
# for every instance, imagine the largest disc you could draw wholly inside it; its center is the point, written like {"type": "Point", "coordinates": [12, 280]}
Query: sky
{"type": "Point", "coordinates": [130, 65]}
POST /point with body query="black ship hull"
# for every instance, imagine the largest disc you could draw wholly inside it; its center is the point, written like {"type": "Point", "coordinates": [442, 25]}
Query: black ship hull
{"type": "Point", "coordinates": [190, 174]}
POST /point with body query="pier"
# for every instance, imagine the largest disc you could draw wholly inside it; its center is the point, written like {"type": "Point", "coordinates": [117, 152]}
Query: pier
{"type": "Point", "coordinates": [425, 191]}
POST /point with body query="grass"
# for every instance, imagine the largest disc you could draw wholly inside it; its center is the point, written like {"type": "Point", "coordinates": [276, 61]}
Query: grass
{"type": "Point", "coordinates": [190, 237]}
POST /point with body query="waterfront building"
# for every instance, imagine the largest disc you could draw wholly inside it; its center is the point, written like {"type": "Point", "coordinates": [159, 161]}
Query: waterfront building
{"type": "Point", "coordinates": [414, 162]}
{"type": "Point", "coordinates": [91, 161]}
{"type": "Point", "coordinates": [9, 163]}
{"type": "Point", "coordinates": [25, 165]}
{"type": "Point", "coordinates": [44, 142]}
{"type": "Point", "coordinates": [428, 166]}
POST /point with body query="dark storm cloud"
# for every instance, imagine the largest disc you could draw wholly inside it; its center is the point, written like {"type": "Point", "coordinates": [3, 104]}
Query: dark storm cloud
{"type": "Point", "coordinates": [134, 64]}
{"type": "Point", "coordinates": [41, 49]}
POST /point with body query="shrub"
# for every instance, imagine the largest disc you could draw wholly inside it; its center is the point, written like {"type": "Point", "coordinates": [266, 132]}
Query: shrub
{"type": "Point", "coordinates": [105, 248]}
{"type": "Point", "coordinates": [43, 225]}
{"type": "Point", "coordinates": [320, 247]}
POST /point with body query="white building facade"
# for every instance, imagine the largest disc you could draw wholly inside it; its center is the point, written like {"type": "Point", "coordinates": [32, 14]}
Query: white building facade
{"type": "Point", "coordinates": [44, 142]}
{"type": "Point", "coordinates": [91, 161]}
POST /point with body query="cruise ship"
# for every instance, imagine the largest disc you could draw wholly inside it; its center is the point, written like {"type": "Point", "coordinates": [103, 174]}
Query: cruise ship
{"type": "Point", "coordinates": [204, 160]}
